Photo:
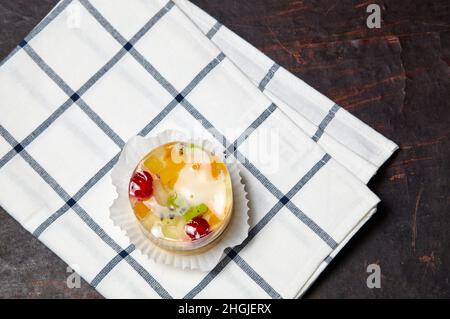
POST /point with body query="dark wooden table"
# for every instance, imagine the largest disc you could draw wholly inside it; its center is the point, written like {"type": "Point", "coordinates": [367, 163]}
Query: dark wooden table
{"type": "Point", "coordinates": [396, 79]}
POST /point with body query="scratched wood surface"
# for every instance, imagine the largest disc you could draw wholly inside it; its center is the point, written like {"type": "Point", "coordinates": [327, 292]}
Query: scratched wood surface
{"type": "Point", "coordinates": [396, 79]}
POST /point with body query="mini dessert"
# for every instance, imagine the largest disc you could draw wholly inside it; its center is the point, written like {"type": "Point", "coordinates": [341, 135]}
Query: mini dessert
{"type": "Point", "coordinates": [181, 194]}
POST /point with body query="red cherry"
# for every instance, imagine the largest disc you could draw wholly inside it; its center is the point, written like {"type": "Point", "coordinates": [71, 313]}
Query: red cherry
{"type": "Point", "coordinates": [141, 185]}
{"type": "Point", "coordinates": [197, 228]}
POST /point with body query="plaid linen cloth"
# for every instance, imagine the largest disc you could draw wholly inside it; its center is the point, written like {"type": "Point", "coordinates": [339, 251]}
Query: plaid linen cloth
{"type": "Point", "coordinates": [93, 74]}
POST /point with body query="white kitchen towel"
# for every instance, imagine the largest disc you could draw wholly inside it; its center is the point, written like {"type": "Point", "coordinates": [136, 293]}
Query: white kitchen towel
{"type": "Point", "coordinates": [94, 73]}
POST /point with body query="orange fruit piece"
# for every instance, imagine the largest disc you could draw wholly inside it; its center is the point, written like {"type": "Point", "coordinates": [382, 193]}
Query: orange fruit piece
{"type": "Point", "coordinates": [141, 210]}
{"type": "Point", "coordinates": [212, 219]}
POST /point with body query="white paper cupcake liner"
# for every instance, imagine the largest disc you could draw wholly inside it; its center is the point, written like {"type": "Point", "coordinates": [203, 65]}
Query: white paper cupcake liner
{"type": "Point", "coordinates": [123, 216]}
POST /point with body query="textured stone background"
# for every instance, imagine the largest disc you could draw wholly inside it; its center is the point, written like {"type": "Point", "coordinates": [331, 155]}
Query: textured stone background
{"type": "Point", "coordinates": [396, 79]}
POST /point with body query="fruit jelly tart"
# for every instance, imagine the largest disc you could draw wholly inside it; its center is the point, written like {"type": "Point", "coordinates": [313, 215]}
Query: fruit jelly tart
{"type": "Point", "coordinates": [182, 196]}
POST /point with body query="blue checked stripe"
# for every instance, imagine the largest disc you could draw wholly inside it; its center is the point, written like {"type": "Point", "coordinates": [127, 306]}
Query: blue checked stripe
{"type": "Point", "coordinates": [152, 22]}
{"type": "Point", "coordinates": [202, 74]}
{"type": "Point", "coordinates": [110, 266]}
{"type": "Point", "coordinates": [108, 66]}
{"type": "Point", "coordinates": [253, 126]}
{"type": "Point", "coordinates": [47, 69]}
{"type": "Point", "coordinates": [100, 19]}
{"type": "Point", "coordinates": [204, 121]}
{"type": "Point", "coordinates": [323, 125]}
{"type": "Point", "coordinates": [258, 175]}
{"type": "Point", "coordinates": [269, 76]}
{"type": "Point", "coordinates": [150, 126]}
{"type": "Point", "coordinates": [253, 274]}
{"type": "Point", "coordinates": [153, 72]}
{"type": "Point", "coordinates": [312, 225]}
{"type": "Point", "coordinates": [328, 259]}
{"type": "Point", "coordinates": [211, 33]}
{"type": "Point", "coordinates": [147, 277]}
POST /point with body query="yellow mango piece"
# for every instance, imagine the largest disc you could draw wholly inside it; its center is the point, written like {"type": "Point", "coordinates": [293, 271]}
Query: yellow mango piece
{"type": "Point", "coordinates": [172, 182]}
{"type": "Point", "coordinates": [154, 164]}
{"type": "Point", "coordinates": [168, 176]}
{"type": "Point", "coordinates": [141, 210]}
{"type": "Point", "coordinates": [212, 219]}
{"type": "Point", "coordinates": [168, 153]}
